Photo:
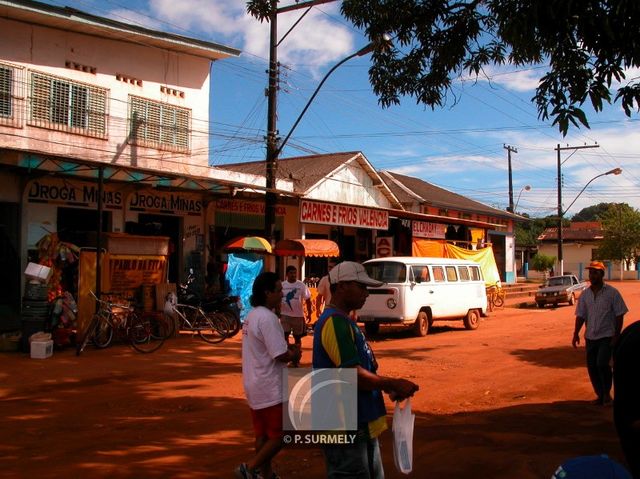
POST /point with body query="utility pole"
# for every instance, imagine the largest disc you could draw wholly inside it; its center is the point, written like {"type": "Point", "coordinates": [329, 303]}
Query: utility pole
{"type": "Point", "coordinates": [272, 133]}
{"type": "Point", "coordinates": [509, 150]}
{"type": "Point", "coordinates": [272, 139]}
{"type": "Point", "coordinates": [560, 212]}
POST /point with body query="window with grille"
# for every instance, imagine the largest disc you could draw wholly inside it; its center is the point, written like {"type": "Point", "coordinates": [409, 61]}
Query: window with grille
{"type": "Point", "coordinates": [11, 95]}
{"type": "Point", "coordinates": [6, 91]}
{"type": "Point", "coordinates": [66, 105]}
{"type": "Point", "coordinates": [159, 125]}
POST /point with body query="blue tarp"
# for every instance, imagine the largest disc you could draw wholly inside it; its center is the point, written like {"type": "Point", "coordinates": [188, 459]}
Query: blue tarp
{"type": "Point", "coordinates": [242, 270]}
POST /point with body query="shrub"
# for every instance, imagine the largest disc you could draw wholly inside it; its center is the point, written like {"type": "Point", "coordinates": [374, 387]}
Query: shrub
{"type": "Point", "coordinates": [541, 262]}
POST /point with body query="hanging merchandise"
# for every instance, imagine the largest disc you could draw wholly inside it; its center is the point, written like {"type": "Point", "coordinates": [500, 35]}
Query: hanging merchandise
{"type": "Point", "coordinates": [56, 255]}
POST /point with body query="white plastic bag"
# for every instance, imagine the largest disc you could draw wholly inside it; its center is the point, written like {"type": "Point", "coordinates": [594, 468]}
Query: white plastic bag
{"type": "Point", "coordinates": [402, 427]}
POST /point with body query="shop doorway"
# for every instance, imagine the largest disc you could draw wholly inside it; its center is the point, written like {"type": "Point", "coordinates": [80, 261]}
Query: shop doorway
{"type": "Point", "coordinates": [80, 226]}
{"type": "Point", "coordinates": [11, 277]}
{"type": "Point", "coordinates": [165, 225]}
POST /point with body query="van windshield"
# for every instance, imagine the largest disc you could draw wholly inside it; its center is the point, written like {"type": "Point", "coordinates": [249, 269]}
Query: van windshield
{"type": "Point", "coordinates": [387, 271]}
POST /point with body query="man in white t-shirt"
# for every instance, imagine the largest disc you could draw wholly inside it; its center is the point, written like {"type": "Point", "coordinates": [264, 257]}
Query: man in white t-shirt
{"type": "Point", "coordinates": [265, 353]}
{"type": "Point", "coordinates": [292, 314]}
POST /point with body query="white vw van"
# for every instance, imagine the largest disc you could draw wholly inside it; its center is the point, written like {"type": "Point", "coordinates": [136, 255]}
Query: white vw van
{"type": "Point", "coordinates": [419, 291]}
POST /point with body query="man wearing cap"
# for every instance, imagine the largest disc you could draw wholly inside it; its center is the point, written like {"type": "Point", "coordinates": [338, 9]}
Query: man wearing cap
{"type": "Point", "coordinates": [601, 309]}
{"type": "Point", "coordinates": [339, 343]}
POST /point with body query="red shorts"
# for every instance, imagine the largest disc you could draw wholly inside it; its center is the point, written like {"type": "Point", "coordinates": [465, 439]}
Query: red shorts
{"type": "Point", "coordinates": [268, 421]}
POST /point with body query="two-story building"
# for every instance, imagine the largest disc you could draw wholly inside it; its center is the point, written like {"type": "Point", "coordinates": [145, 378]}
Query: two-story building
{"type": "Point", "coordinates": [103, 119]}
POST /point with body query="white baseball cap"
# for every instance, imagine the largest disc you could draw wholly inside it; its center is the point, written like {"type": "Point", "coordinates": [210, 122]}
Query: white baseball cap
{"type": "Point", "coordinates": [351, 271]}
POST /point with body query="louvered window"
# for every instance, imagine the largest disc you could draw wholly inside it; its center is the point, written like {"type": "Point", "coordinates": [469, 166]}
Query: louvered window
{"type": "Point", "coordinates": [6, 92]}
{"type": "Point", "coordinates": [62, 104]}
{"type": "Point", "coordinates": [11, 95]}
{"type": "Point", "coordinates": [159, 125]}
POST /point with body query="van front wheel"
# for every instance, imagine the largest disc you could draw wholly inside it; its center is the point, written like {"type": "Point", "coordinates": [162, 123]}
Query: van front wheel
{"type": "Point", "coordinates": [421, 326]}
{"type": "Point", "coordinates": [472, 319]}
{"type": "Point", "coordinates": [372, 328]}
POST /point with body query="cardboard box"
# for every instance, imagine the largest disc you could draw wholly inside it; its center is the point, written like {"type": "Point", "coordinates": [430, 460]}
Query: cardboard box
{"type": "Point", "coordinates": [38, 272]}
{"type": "Point", "coordinates": [41, 349]}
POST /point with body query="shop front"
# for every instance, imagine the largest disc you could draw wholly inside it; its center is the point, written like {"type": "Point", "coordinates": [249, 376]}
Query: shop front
{"type": "Point", "coordinates": [179, 216]}
{"type": "Point", "coordinates": [352, 228]}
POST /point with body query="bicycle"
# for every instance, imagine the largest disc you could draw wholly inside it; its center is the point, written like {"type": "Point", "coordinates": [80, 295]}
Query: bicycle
{"type": "Point", "coordinates": [144, 334]}
{"type": "Point", "coordinates": [495, 296]}
{"type": "Point", "coordinates": [212, 327]}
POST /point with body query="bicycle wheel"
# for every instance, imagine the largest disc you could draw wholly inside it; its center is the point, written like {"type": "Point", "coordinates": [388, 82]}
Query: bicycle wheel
{"type": "Point", "coordinates": [234, 320]}
{"type": "Point", "coordinates": [88, 334]}
{"type": "Point", "coordinates": [212, 328]}
{"type": "Point", "coordinates": [102, 332]}
{"type": "Point", "coordinates": [498, 299]}
{"type": "Point", "coordinates": [169, 325]}
{"type": "Point", "coordinates": [222, 322]}
{"type": "Point", "coordinates": [146, 334]}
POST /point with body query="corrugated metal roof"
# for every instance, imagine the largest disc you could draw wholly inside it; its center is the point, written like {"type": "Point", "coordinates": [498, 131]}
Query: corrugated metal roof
{"type": "Point", "coordinates": [308, 171]}
{"type": "Point", "coordinates": [577, 231]}
{"type": "Point", "coordinates": [71, 19]}
{"type": "Point", "coordinates": [410, 190]}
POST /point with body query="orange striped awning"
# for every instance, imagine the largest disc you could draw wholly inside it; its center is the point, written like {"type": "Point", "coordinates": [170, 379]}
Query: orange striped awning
{"type": "Point", "coordinates": [307, 247]}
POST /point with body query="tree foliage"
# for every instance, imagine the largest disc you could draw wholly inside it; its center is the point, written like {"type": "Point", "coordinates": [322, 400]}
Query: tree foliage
{"type": "Point", "coordinates": [587, 45]}
{"type": "Point", "coordinates": [592, 213]}
{"type": "Point", "coordinates": [526, 234]}
{"type": "Point", "coordinates": [542, 262]}
{"type": "Point", "coordinates": [621, 233]}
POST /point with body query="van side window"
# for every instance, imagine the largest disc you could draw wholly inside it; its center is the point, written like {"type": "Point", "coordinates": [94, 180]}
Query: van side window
{"type": "Point", "coordinates": [451, 273]}
{"type": "Point", "coordinates": [438, 273]}
{"type": "Point", "coordinates": [463, 272]}
{"type": "Point", "coordinates": [475, 273]}
{"type": "Point", "coordinates": [421, 274]}
{"type": "Point", "coordinates": [387, 271]}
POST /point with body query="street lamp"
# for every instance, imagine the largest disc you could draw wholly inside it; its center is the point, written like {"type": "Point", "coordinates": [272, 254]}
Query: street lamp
{"type": "Point", "coordinates": [524, 188]}
{"type": "Point", "coordinates": [615, 171]}
{"type": "Point", "coordinates": [274, 148]}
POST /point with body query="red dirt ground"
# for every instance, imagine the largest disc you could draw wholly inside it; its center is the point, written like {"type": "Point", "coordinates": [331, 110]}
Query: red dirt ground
{"type": "Point", "coordinates": [509, 400]}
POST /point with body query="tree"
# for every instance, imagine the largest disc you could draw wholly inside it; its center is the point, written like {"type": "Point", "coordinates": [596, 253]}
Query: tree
{"type": "Point", "coordinates": [541, 262]}
{"type": "Point", "coordinates": [621, 234]}
{"type": "Point", "coordinates": [592, 213]}
{"type": "Point", "coordinates": [588, 44]}
{"type": "Point", "coordinates": [526, 234]}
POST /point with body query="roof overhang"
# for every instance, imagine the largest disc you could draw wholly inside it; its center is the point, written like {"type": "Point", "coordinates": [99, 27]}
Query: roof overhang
{"type": "Point", "coordinates": [70, 19]}
{"type": "Point", "coordinates": [410, 215]}
{"type": "Point", "coordinates": [44, 164]}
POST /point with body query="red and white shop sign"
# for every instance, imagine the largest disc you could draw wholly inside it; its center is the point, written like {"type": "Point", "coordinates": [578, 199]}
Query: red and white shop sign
{"type": "Point", "coordinates": [384, 246]}
{"type": "Point", "coordinates": [343, 215]}
{"type": "Point", "coordinates": [246, 207]}
{"type": "Point", "coordinates": [424, 229]}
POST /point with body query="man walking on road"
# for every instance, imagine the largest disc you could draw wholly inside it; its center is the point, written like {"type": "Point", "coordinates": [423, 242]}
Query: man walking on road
{"type": "Point", "coordinates": [295, 296]}
{"type": "Point", "coordinates": [601, 309]}
{"type": "Point", "coordinates": [338, 342]}
{"type": "Point", "coordinates": [265, 354]}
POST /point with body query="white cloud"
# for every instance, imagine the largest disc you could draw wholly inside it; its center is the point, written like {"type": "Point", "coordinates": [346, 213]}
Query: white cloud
{"type": "Point", "coordinates": [315, 42]}
{"type": "Point", "coordinates": [520, 80]}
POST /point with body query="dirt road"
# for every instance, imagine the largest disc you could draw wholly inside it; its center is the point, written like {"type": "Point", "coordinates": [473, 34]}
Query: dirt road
{"type": "Point", "coordinates": [509, 400]}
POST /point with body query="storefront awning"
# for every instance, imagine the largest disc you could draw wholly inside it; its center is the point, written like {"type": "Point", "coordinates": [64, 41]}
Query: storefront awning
{"type": "Point", "coordinates": [307, 247]}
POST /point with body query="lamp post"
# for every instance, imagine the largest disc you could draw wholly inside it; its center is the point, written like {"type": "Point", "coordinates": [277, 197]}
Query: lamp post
{"type": "Point", "coordinates": [274, 147]}
{"type": "Point", "coordinates": [524, 188]}
{"type": "Point", "coordinates": [615, 171]}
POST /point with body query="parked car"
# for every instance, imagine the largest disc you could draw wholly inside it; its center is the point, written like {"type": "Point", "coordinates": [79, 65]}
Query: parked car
{"type": "Point", "coordinates": [560, 289]}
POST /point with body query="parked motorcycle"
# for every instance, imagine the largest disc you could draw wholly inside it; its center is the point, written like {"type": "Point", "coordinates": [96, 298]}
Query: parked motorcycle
{"type": "Point", "coordinates": [222, 303]}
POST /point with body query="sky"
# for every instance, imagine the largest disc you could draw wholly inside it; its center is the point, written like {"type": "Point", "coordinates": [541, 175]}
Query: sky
{"type": "Point", "coordinates": [459, 147]}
